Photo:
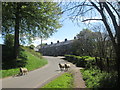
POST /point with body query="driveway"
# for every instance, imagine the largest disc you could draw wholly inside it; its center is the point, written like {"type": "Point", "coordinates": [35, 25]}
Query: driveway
{"type": "Point", "coordinates": [36, 78]}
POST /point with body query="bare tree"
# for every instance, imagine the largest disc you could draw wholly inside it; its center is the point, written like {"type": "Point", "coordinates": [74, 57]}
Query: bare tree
{"type": "Point", "coordinates": [104, 10]}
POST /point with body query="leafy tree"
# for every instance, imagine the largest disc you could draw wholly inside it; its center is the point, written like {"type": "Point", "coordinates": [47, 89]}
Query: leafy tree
{"type": "Point", "coordinates": [85, 43]}
{"type": "Point", "coordinates": [29, 20]}
{"type": "Point", "coordinates": [9, 40]}
{"type": "Point", "coordinates": [7, 51]}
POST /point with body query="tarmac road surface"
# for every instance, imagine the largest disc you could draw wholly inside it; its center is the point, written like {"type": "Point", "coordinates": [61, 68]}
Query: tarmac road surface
{"type": "Point", "coordinates": [36, 78]}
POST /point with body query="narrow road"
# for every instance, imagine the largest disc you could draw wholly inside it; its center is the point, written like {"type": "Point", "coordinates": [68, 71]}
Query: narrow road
{"type": "Point", "coordinates": [36, 78]}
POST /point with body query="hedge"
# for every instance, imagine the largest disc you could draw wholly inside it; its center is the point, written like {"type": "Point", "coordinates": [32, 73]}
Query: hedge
{"type": "Point", "coordinates": [80, 61]}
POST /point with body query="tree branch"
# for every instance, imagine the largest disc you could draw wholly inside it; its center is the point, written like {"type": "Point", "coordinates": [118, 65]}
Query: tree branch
{"type": "Point", "coordinates": [90, 19]}
{"type": "Point", "coordinates": [114, 9]}
{"type": "Point", "coordinates": [112, 16]}
{"type": "Point", "coordinates": [94, 5]}
{"type": "Point", "coordinates": [105, 22]}
{"type": "Point", "coordinates": [75, 7]}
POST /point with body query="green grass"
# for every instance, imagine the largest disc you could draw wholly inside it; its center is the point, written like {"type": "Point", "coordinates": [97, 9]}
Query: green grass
{"type": "Point", "coordinates": [95, 79]}
{"type": "Point", "coordinates": [33, 62]}
{"type": "Point", "coordinates": [63, 81]}
{"type": "Point", "coordinates": [9, 72]}
{"type": "Point", "coordinates": [33, 52]}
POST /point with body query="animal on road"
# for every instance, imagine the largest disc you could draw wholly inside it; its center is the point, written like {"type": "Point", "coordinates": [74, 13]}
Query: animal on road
{"type": "Point", "coordinates": [67, 66]}
{"type": "Point", "coordinates": [62, 66]}
{"type": "Point", "coordinates": [23, 71]}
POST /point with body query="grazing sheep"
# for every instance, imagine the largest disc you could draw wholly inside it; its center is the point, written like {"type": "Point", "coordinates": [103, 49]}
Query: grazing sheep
{"type": "Point", "coordinates": [67, 66]}
{"type": "Point", "coordinates": [61, 66]}
{"type": "Point", "coordinates": [23, 71]}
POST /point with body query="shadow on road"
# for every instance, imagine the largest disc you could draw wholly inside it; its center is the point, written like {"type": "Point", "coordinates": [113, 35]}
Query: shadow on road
{"type": "Point", "coordinates": [17, 75]}
{"type": "Point", "coordinates": [62, 70]}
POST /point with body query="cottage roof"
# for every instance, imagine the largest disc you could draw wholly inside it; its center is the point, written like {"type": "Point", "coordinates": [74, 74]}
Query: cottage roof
{"type": "Point", "coordinates": [59, 44]}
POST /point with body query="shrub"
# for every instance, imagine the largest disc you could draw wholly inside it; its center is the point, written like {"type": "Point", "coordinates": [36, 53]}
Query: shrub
{"type": "Point", "coordinates": [31, 46]}
{"type": "Point", "coordinates": [69, 58]}
{"type": "Point", "coordinates": [90, 64]}
{"type": "Point", "coordinates": [95, 79]}
{"type": "Point", "coordinates": [81, 61]}
{"type": "Point", "coordinates": [7, 57]}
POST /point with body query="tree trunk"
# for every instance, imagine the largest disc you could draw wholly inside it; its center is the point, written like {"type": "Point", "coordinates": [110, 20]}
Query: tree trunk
{"type": "Point", "coordinates": [16, 38]}
{"type": "Point", "coordinates": [117, 50]}
{"type": "Point", "coordinates": [41, 41]}
{"type": "Point", "coordinates": [116, 45]}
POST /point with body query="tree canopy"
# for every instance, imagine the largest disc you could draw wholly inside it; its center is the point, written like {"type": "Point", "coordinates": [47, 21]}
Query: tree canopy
{"type": "Point", "coordinates": [27, 20]}
{"type": "Point", "coordinates": [36, 18]}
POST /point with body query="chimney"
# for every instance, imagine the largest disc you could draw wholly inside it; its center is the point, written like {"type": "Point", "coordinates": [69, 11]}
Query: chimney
{"type": "Point", "coordinates": [65, 39]}
{"type": "Point", "coordinates": [58, 41]}
{"type": "Point", "coordinates": [51, 42]}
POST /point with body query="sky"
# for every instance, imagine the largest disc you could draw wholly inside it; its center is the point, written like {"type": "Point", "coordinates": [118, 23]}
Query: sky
{"type": "Point", "coordinates": [69, 30]}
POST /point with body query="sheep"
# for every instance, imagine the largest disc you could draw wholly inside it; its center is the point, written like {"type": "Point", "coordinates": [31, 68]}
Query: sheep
{"type": "Point", "coordinates": [61, 66]}
{"type": "Point", "coordinates": [67, 66]}
{"type": "Point", "coordinates": [23, 71]}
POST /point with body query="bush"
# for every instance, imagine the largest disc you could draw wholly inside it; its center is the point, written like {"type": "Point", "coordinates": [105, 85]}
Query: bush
{"type": "Point", "coordinates": [8, 52]}
{"type": "Point", "coordinates": [90, 64]}
{"type": "Point", "coordinates": [69, 58]}
{"type": "Point", "coordinates": [7, 57]}
{"type": "Point", "coordinates": [31, 46]}
{"type": "Point", "coordinates": [95, 79]}
{"type": "Point", "coordinates": [81, 61]}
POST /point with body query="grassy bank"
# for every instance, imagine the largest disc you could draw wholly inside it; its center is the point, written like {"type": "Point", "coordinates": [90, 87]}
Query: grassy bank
{"type": "Point", "coordinates": [63, 81]}
{"type": "Point", "coordinates": [33, 62]}
{"type": "Point", "coordinates": [94, 78]}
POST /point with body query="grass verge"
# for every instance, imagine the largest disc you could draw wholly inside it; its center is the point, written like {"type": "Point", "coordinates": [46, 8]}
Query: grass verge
{"type": "Point", "coordinates": [63, 81]}
{"type": "Point", "coordinates": [95, 79]}
{"type": "Point", "coordinates": [33, 62]}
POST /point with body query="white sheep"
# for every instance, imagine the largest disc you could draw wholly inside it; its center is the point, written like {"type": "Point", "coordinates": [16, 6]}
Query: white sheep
{"type": "Point", "coordinates": [23, 71]}
{"type": "Point", "coordinates": [62, 66]}
{"type": "Point", "coordinates": [67, 66]}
